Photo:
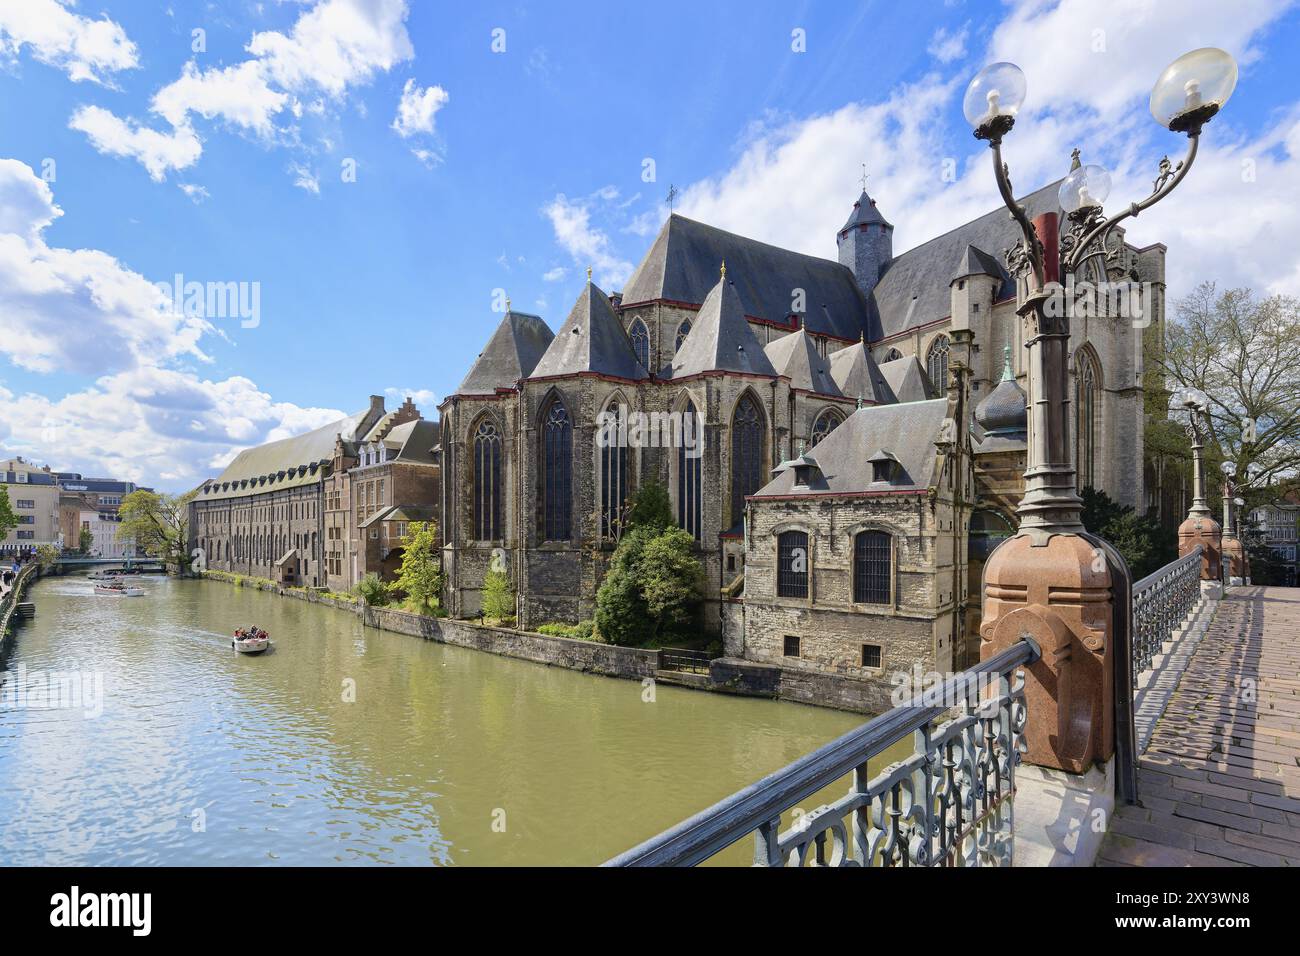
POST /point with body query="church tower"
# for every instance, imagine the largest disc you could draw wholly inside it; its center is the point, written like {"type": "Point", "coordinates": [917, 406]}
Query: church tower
{"type": "Point", "coordinates": [866, 243]}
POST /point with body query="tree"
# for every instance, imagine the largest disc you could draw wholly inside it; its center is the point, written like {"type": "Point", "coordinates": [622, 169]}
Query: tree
{"type": "Point", "coordinates": [8, 520]}
{"type": "Point", "coordinates": [420, 577]}
{"type": "Point", "coordinates": [1240, 351]}
{"type": "Point", "coordinates": [85, 540]}
{"type": "Point", "coordinates": [158, 523]}
{"type": "Point", "coordinates": [1144, 543]}
{"type": "Point", "coordinates": [498, 596]}
{"type": "Point", "coordinates": [372, 590]}
{"type": "Point", "coordinates": [652, 589]}
{"type": "Point", "coordinates": [47, 555]}
{"type": "Point", "coordinates": [649, 507]}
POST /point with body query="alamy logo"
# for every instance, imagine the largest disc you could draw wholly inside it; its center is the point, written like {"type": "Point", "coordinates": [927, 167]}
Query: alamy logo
{"type": "Point", "coordinates": [215, 300]}
{"type": "Point", "coordinates": [103, 909]}
{"type": "Point", "coordinates": [621, 428]}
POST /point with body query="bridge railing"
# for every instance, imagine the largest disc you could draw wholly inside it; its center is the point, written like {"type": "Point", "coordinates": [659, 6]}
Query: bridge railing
{"type": "Point", "coordinates": [1162, 601]}
{"type": "Point", "coordinates": [9, 599]}
{"type": "Point", "coordinates": [947, 804]}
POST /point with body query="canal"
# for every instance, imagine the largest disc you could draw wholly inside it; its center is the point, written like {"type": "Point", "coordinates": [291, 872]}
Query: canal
{"type": "Point", "coordinates": [345, 744]}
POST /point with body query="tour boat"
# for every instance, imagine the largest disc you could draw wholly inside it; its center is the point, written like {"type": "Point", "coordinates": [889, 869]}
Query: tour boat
{"type": "Point", "coordinates": [121, 590]}
{"type": "Point", "coordinates": [253, 640]}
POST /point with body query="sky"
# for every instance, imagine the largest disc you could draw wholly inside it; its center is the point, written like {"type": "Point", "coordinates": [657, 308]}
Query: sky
{"type": "Point", "coordinates": [375, 177]}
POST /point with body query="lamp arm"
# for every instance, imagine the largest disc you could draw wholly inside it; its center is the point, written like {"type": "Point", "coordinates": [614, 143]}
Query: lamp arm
{"type": "Point", "coordinates": [1164, 186]}
{"type": "Point", "coordinates": [1033, 247]}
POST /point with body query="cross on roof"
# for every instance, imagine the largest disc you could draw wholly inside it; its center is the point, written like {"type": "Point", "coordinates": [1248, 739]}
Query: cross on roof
{"type": "Point", "coordinates": [864, 177]}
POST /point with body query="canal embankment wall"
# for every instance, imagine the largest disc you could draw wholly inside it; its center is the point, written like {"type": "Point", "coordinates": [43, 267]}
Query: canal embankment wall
{"type": "Point", "coordinates": [12, 595]}
{"type": "Point", "coordinates": [726, 675]}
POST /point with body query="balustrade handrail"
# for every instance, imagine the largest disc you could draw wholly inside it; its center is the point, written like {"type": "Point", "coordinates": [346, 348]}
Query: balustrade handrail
{"type": "Point", "coordinates": [1162, 602]}
{"type": "Point", "coordinates": [1154, 578]}
{"type": "Point", "coordinates": [756, 806]}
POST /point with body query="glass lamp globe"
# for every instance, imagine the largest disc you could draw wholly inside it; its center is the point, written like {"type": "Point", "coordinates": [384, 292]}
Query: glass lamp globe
{"type": "Point", "coordinates": [1085, 186]}
{"type": "Point", "coordinates": [996, 90]}
{"type": "Point", "coordinates": [1193, 88]}
{"type": "Point", "coordinates": [1194, 396]}
{"type": "Point", "coordinates": [1226, 468]}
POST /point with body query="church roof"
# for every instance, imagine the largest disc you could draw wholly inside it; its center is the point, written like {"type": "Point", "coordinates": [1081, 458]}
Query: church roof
{"type": "Point", "coordinates": [796, 357]}
{"type": "Point", "coordinates": [721, 339]}
{"type": "Point", "coordinates": [682, 266]}
{"type": "Point", "coordinates": [511, 354]}
{"type": "Point", "coordinates": [592, 339]}
{"type": "Point", "coordinates": [911, 291]}
{"type": "Point", "coordinates": [844, 456]}
{"type": "Point", "coordinates": [907, 379]}
{"type": "Point", "coordinates": [976, 262]}
{"type": "Point", "coordinates": [858, 376]}
{"type": "Point", "coordinates": [1003, 412]}
{"type": "Point", "coordinates": [864, 211]}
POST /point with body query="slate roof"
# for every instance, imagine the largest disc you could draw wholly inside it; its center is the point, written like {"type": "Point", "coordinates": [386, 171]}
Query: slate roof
{"type": "Point", "coordinates": [413, 441]}
{"type": "Point", "coordinates": [1003, 412]}
{"type": "Point", "coordinates": [907, 379]}
{"type": "Point", "coordinates": [511, 354]}
{"type": "Point", "coordinates": [912, 290]}
{"type": "Point", "coordinates": [285, 463]}
{"type": "Point", "coordinates": [858, 376]}
{"type": "Point", "coordinates": [682, 266]}
{"type": "Point", "coordinates": [721, 338]}
{"type": "Point", "coordinates": [402, 513]}
{"type": "Point", "coordinates": [592, 339]}
{"type": "Point", "coordinates": [907, 432]}
{"type": "Point", "coordinates": [976, 262]}
{"type": "Point", "coordinates": [796, 356]}
{"type": "Point", "coordinates": [864, 211]}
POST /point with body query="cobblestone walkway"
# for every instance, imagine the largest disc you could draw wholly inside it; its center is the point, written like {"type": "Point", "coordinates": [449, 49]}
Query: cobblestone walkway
{"type": "Point", "coordinates": [1220, 780]}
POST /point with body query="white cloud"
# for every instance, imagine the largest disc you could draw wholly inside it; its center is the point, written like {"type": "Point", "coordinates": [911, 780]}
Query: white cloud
{"type": "Point", "coordinates": [85, 49]}
{"type": "Point", "coordinates": [305, 178]}
{"type": "Point", "coordinates": [948, 45]}
{"type": "Point", "coordinates": [75, 309]}
{"type": "Point", "coordinates": [555, 275]}
{"type": "Point", "coordinates": [929, 176]}
{"type": "Point", "coordinates": [417, 109]}
{"type": "Point", "coordinates": [156, 152]}
{"type": "Point", "coordinates": [146, 416]}
{"type": "Point", "coordinates": [333, 46]}
{"type": "Point", "coordinates": [194, 191]}
{"type": "Point", "coordinates": [589, 246]}
{"type": "Point", "coordinates": [425, 399]}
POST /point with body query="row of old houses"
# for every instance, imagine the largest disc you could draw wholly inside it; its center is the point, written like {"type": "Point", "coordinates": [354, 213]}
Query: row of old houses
{"type": "Point", "coordinates": [848, 443]}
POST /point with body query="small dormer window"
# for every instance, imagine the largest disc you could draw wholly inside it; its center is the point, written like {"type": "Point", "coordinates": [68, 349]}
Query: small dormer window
{"type": "Point", "coordinates": [882, 471]}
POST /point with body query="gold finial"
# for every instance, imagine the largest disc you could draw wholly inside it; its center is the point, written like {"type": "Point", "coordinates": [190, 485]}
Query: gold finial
{"type": "Point", "coordinates": [588, 273]}
{"type": "Point", "coordinates": [862, 336]}
{"type": "Point", "coordinates": [724, 268]}
{"type": "Point", "coordinates": [507, 303]}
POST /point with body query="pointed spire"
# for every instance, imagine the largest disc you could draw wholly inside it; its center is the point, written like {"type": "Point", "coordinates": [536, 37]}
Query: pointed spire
{"type": "Point", "coordinates": [592, 339]}
{"type": "Point", "coordinates": [721, 338]}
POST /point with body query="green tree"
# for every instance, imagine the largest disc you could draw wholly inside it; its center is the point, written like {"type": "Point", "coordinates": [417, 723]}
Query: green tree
{"type": "Point", "coordinates": [8, 520]}
{"type": "Point", "coordinates": [420, 577]}
{"type": "Point", "coordinates": [85, 540]}
{"type": "Point", "coordinates": [48, 556]}
{"type": "Point", "coordinates": [1145, 545]}
{"type": "Point", "coordinates": [653, 587]}
{"type": "Point", "coordinates": [649, 507]}
{"type": "Point", "coordinates": [498, 596]}
{"type": "Point", "coordinates": [372, 590]}
{"type": "Point", "coordinates": [158, 523]}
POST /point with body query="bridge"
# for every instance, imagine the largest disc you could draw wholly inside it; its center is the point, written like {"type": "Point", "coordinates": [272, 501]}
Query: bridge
{"type": "Point", "coordinates": [72, 562]}
{"type": "Point", "coordinates": [1205, 772]}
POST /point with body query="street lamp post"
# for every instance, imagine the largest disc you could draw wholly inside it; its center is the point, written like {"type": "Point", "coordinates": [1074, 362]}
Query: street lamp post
{"type": "Point", "coordinates": [1199, 528]}
{"type": "Point", "coordinates": [1053, 581]}
{"type": "Point", "coordinates": [1236, 560]}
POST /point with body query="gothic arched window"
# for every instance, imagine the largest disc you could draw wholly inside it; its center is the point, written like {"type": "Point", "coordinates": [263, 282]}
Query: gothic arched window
{"type": "Point", "coordinates": [487, 482]}
{"type": "Point", "coordinates": [792, 564]}
{"type": "Point", "coordinates": [936, 365]}
{"type": "Point", "coordinates": [557, 471]}
{"type": "Point", "coordinates": [640, 337]}
{"type": "Point", "coordinates": [872, 567]}
{"type": "Point", "coordinates": [826, 423]}
{"type": "Point", "coordinates": [1088, 406]}
{"type": "Point", "coordinates": [613, 471]}
{"type": "Point", "coordinates": [746, 453]}
{"type": "Point", "coordinates": [683, 330]}
{"type": "Point", "coordinates": [689, 511]}
{"type": "Point", "coordinates": [893, 354]}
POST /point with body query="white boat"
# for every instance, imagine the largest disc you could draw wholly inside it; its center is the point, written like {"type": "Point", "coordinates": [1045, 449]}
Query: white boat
{"type": "Point", "coordinates": [253, 641]}
{"type": "Point", "coordinates": [120, 590]}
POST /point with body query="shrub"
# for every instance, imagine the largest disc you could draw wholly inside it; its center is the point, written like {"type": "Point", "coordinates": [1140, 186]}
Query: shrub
{"type": "Point", "coordinates": [498, 596]}
{"type": "Point", "coordinates": [652, 589]}
{"type": "Point", "coordinates": [372, 590]}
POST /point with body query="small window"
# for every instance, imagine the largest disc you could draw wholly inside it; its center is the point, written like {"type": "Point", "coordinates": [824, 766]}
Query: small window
{"type": "Point", "coordinates": [731, 562]}
{"type": "Point", "coordinates": [791, 645]}
{"type": "Point", "coordinates": [870, 655]}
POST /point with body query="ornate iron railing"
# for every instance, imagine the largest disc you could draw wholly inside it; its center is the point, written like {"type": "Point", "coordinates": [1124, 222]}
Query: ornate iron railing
{"type": "Point", "coordinates": [948, 804]}
{"type": "Point", "coordinates": [1162, 601]}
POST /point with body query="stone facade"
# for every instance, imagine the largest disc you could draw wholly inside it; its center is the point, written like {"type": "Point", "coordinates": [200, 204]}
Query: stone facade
{"type": "Point", "coordinates": [34, 498]}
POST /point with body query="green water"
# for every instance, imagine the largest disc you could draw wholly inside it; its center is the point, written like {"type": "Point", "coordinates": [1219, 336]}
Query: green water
{"type": "Point", "coordinates": [201, 756]}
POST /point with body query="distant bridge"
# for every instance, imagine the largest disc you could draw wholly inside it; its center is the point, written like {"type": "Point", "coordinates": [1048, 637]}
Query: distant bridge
{"type": "Point", "coordinates": [66, 563]}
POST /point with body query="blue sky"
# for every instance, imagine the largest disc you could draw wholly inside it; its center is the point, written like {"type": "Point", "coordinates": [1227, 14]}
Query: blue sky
{"type": "Point", "coordinates": [514, 169]}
